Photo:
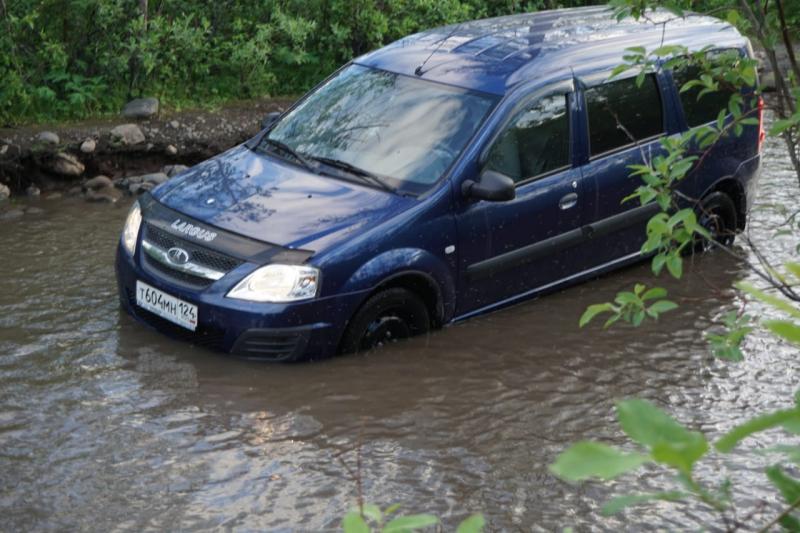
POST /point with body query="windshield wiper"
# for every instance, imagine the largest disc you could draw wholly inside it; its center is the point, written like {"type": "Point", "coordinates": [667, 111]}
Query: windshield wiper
{"type": "Point", "coordinates": [291, 151]}
{"type": "Point", "coordinates": [356, 171]}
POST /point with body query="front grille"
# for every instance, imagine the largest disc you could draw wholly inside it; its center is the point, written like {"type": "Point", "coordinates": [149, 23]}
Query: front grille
{"type": "Point", "coordinates": [206, 336]}
{"type": "Point", "coordinates": [198, 254]}
{"type": "Point", "coordinates": [176, 275]}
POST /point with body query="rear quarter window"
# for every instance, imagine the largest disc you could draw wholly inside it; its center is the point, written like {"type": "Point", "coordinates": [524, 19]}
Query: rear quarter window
{"type": "Point", "coordinates": [621, 113]}
{"type": "Point", "coordinates": [699, 111]}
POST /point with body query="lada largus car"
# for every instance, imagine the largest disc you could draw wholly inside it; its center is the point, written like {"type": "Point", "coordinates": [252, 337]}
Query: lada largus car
{"type": "Point", "coordinates": [451, 173]}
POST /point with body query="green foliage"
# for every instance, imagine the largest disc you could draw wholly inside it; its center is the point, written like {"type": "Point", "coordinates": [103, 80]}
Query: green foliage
{"type": "Point", "coordinates": [727, 345]}
{"type": "Point", "coordinates": [667, 443]}
{"type": "Point", "coordinates": [631, 307]}
{"type": "Point", "coordinates": [69, 59]}
{"type": "Point", "coordinates": [370, 518]}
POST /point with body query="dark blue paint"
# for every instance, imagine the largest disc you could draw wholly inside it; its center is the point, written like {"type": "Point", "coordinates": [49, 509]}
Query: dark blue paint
{"type": "Point", "coordinates": [364, 237]}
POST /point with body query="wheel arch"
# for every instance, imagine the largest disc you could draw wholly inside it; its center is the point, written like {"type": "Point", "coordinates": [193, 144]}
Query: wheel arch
{"type": "Point", "coordinates": [735, 190]}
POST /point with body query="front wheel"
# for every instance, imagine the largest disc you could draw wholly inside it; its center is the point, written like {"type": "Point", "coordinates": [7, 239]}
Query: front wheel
{"type": "Point", "coordinates": [717, 214]}
{"type": "Point", "coordinates": [386, 317]}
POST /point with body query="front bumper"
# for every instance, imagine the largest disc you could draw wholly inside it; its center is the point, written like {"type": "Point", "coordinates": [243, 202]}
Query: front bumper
{"type": "Point", "coordinates": [277, 332]}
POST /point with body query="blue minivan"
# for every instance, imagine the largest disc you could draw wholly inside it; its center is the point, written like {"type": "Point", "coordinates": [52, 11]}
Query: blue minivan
{"type": "Point", "coordinates": [451, 173]}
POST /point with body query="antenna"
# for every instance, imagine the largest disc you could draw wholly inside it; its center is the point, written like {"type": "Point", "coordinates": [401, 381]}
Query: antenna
{"type": "Point", "coordinates": [418, 71]}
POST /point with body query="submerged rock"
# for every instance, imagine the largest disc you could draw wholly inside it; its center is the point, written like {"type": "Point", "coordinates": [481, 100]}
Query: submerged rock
{"type": "Point", "coordinates": [88, 146]}
{"type": "Point", "coordinates": [64, 164]}
{"type": "Point", "coordinates": [141, 108]}
{"type": "Point", "coordinates": [48, 137]}
{"type": "Point", "coordinates": [11, 214]}
{"type": "Point", "coordinates": [139, 188]}
{"type": "Point", "coordinates": [108, 194]}
{"type": "Point", "coordinates": [172, 170]}
{"type": "Point", "coordinates": [98, 182]}
{"type": "Point", "coordinates": [33, 191]}
{"type": "Point", "coordinates": [127, 135]}
{"type": "Point", "coordinates": [156, 178]}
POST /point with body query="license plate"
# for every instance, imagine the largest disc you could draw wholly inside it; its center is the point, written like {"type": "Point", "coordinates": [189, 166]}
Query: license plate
{"type": "Point", "coordinates": [166, 306]}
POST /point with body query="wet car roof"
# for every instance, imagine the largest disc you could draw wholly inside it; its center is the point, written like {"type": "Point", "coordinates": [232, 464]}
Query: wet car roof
{"type": "Point", "coordinates": [493, 55]}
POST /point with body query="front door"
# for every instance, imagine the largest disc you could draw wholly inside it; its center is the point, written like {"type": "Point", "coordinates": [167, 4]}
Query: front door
{"type": "Point", "coordinates": [508, 249]}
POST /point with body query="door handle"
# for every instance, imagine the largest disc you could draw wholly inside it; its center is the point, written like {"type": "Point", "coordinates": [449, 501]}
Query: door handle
{"type": "Point", "coordinates": [568, 200]}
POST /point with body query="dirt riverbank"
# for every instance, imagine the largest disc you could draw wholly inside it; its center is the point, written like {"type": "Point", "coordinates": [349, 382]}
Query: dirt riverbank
{"type": "Point", "coordinates": [57, 159]}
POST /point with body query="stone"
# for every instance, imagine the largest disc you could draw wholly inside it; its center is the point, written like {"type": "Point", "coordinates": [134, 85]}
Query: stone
{"type": "Point", "coordinates": [171, 150]}
{"type": "Point", "coordinates": [98, 182]}
{"type": "Point", "coordinates": [141, 108]}
{"type": "Point", "coordinates": [74, 191]}
{"type": "Point", "coordinates": [53, 196]}
{"type": "Point", "coordinates": [33, 191]}
{"type": "Point", "coordinates": [64, 164]}
{"type": "Point", "coordinates": [175, 124]}
{"type": "Point", "coordinates": [5, 192]}
{"type": "Point", "coordinates": [11, 214]}
{"type": "Point", "coordinates": [88, 146]}
{"type": "Point", "coordinates": [127, 135]}
{"type": "Point", "coordinates": [108, 194]}
{"type": "Point", "coordinates": [156, 178]}
{"type": "Point", "coordinates": [3, 149]}
{"type": "Point", "coordinates": [48, 137]}
{"type": "Point", "coordinates": [172, 170]}
{"type": "Point", "coordinates": [139, 188]}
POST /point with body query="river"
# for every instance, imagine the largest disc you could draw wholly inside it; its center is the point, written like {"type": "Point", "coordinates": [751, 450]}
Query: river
{"type": "Point", "coordinates": [107, 425]}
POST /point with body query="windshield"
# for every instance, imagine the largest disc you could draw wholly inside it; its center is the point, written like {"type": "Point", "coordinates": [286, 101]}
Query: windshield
{"type": "Point", "coordinates": [394, 129]}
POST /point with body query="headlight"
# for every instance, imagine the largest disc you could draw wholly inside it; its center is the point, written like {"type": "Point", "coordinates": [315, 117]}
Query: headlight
{"type": "Point", "coordinates": [278, 283]}
{"type": "Point", "coordinates": [131, 229]}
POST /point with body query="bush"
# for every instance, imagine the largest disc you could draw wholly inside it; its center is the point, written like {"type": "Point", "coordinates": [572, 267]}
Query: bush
{"type": "Point", "coordinates": [71, 59]}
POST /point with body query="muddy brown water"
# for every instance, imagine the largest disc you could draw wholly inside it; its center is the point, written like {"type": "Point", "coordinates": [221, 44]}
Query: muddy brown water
{"type": "Point", "coordinates": [105, 424]}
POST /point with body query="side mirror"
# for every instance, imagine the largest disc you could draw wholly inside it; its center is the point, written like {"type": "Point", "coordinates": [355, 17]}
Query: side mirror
{"type": "Point", "coordinates": [270, 119]}
{"type": "Point", "coordinates": [493, 187]}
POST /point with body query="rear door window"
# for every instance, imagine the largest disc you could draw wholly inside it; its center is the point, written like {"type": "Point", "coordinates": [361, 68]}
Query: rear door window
{"type": "Point", "coordinates": [536, 142]}
{"type": "Point", "coordinates": [621, 113]}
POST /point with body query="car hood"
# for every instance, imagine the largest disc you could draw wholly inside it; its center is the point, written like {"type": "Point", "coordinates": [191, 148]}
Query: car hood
{"type": "Point", "coordinates": [263, 198]}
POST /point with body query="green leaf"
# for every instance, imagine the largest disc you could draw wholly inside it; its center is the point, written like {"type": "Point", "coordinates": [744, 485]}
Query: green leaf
{"type": "Point", "coordinates": [403, 524]}
{"type": "Point", "coordinates": [373, 512]}
{"type": "Point", "coordinates": [770, 299]}
{"type": "Point", "coordinates": [675, 265]}
{"type": "Point", "coordinates": [585, 460]}
{"type": "Point", "coordinates": [658, 263]}
{"type": "Point", "coordinates": [681, 454]}
{"type": "Point", "coordinates": [655, 292]}
{"type": "Point", "coordinates": [473, 524]}
{"type": "Point", "coordinates": [755, 425]}
{"type": "Point", "coordinates": [648, 425]}
{"type": "Point", "coordinates": [662, 306]}
{"type": "Point", "coordinates": [353, 523]}
{"type": "Point", "coordinates": [620, 502]}
{"type": "Point", "coordinates": [789, 487]}
{"type": "Point", "coordinates": [592, 311]}
{"type": "Point", "coordinates": [392, 509]}
{"type": "Point", "coordinates": [794, 268]}
{"type": "Point", "coordinates": [783, 328]}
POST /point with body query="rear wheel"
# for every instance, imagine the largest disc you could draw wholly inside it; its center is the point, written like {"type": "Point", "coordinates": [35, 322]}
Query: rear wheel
{"type": "Point", "coordinates": [386, 317]}
{"type": "Point", "coordinates": [717, 214]}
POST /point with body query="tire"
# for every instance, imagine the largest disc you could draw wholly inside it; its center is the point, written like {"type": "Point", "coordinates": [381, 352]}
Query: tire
{"type": "Point", "coordinates": [717, 214]}
{"type": "Point", "coordinates": [387, 316]}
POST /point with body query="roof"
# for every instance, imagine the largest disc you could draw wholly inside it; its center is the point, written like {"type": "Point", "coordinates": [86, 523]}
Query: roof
{"type": "Point", "coordinates": [493, 55]}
